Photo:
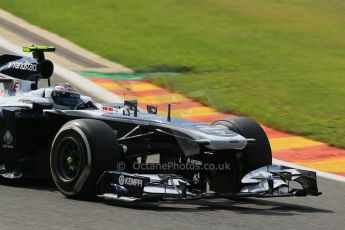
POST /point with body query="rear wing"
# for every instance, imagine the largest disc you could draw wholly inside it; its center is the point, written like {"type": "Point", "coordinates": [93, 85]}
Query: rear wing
{"type": "Point", "coordinates": [38, 48]}
{"type": "Point", "coordinates": [26, 69]}
{"type": "Point", "coordinates": [38, 51]}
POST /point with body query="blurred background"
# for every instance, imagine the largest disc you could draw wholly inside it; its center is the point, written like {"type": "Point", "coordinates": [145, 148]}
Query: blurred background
{"type": "Point", "coordinates": [281, 62]}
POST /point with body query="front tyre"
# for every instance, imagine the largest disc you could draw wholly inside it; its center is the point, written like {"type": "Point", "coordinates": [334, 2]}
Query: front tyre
{"type": "Point", "coordinates": [254, 155]}
{"type": "Point", "coordinates": [82, 150]}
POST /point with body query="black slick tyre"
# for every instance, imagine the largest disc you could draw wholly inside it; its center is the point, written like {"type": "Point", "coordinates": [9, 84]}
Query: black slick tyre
{"type": "Point", "coordinates": [254, 155]}
{"type": "Point", "coordinates": [82, 150]}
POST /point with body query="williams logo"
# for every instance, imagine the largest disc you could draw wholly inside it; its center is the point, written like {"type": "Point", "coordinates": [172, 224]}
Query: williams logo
{"type": "Point", "coordinates": [8, 140]}
{"type": "Point", "coordinates": [23, 65]}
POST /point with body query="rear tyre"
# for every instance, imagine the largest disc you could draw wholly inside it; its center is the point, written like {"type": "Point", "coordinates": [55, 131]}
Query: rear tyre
{"type": "Point", "coordinates": [82, 150]}
{"type": "Point", "coordinates": [254, 155]}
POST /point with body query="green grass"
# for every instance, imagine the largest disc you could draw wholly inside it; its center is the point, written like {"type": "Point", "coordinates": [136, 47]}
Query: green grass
{"type": "Point", "coordinates": [279, 61]}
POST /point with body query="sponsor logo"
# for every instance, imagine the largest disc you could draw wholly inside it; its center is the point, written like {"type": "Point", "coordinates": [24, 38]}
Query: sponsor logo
{"type": "Point", "coordinates": [121, 180]}
{"type": "Point", "coordinates": [16, 86]}
{"type": "Point", "coordinates": [108, 109]}
{"type": "Point", "coordinates": [23, 65]}
{"type": "Point", "coordinates": [26, 101]}
{"type": "Point", "coordinates": [196, 178]}
{"type": "Point", "coordinates": [130, 181]}
{"type": "Point", "coordinates": [8, 140]}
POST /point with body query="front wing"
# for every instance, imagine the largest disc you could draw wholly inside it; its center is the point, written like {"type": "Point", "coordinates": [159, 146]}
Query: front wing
{"type": "Point", "coordinates": [268, 181]}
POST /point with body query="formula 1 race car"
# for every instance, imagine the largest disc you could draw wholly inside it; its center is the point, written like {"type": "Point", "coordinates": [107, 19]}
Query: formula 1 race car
{"type": "Point", "coordinates": [117, 151]}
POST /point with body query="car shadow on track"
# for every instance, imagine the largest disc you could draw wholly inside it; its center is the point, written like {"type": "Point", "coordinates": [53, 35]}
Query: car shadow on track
{"type": "Point", "coordinates": [45, 184]}
{"type": "Point", "coordinates": [243, 206]}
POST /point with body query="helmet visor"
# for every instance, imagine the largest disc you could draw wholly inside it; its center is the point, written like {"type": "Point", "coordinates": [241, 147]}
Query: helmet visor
{"type": "Point", "coordinates": [66, 98]}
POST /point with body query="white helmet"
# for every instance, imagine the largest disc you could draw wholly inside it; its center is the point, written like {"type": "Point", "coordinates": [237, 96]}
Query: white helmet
{"type": "Point", "coordinates": [64, 95]}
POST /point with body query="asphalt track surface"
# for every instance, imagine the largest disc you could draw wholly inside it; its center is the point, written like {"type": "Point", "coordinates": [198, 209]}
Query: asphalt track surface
{"type": "Point", "coordinates": [37, 39]}
{"type": "Point", "coordinates": [36, 204]}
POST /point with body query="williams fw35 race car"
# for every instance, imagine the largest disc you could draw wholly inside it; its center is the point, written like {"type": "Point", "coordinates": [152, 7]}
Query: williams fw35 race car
{"type": "Point", "coordinates": [117, 151]}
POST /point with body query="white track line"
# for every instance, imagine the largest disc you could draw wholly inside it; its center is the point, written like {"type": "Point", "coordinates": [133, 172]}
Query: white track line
{"type": "Point", "coordinates": [103, 94]}
{"type": "Point", "coordinates": [326, 175]}
{"type": "Point", "coordinates": [83, 83]}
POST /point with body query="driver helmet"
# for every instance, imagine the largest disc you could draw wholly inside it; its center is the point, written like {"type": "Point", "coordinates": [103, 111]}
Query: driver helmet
{"type": "Point", "coordinates": [64, 95]}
